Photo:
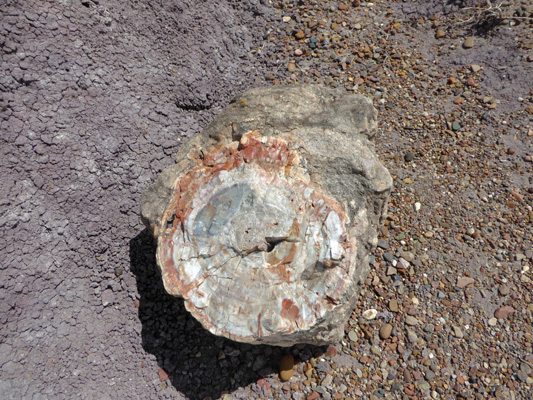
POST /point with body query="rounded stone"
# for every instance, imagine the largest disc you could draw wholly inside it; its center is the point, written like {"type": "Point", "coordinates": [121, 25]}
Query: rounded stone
{"type": "Point", "coordinates": [469, 42]}
{"type": "Point", "coordinates": [385, 331]}
{"type": "Point", "coordinates": [504, 312]}
{"type": "Point", "coordinates": [370, 314]}
{"type": "Point", "coordinates": [286, 367]}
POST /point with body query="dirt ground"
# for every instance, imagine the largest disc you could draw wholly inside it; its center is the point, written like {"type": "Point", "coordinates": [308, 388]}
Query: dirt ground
{"type": "Point", "coordinates": [97, 95]}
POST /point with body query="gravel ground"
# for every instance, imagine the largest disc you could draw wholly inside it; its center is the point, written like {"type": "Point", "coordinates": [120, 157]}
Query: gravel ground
{"type": "Point", "coordinates": [96, 96]}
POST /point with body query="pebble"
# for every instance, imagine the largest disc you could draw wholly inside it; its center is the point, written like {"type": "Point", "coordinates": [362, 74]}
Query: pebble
{"type": "Point", "coordinates": [393, 305]}
{"type": "Point", "coordinates": [411, 336]}
{"type": "Point", "coordinates": [370, 314]}
{"type": "Point", "coordinates": [410, 320]}
{"type": "Point", "coordinates": [456, 126]}
{"type": "Point", "coordinates": [343, 7]}
{"type": "Point", "coordinates": [464, 281]}
{"type": "Point", "coordinates": [286, 367]}
{"type": "Point", "coordinates": [469, 42]}
{"type": "Point", "coordinates": [163, 376]}
{"type": "Point", "coordinates": [299, 35]}
{"type": "Point", "coordinates": [385, 331]}
{"type": "Point", "coordinates": [409, 156]}
{"type": "Point", "coordinates": [457, 332]}
{"type": "Point", "coordinates": [417, 206]}
{"type": "Point", "coordinates": [313, 396]}
{"type": "Point", "coordinates": [383, 244]}
{"type": "Point", "coordinates": [493, 321]}
{"type": "Point", "coordinates": [439, 33]}
{"type": "Point", "coordinates": [353, 336]}
{"type": "Point", "coordinates": [402, 263]}
{"type": "Point", "coordinates": [459, 100]}
{"type": "Point", "coordinates": [388, 257]}
{"type": "Point", "coordinates": [504, 290]}
{"type": "Point", "coordinates": [475, 68]}
{"type": "Point", "coordinates": [291, 67]}
{"type": "Point", "coordinates": [504, 312]}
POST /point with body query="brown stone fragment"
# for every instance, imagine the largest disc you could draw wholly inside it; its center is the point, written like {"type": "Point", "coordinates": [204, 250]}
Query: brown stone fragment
{"type": "Point", "coordinates": [464, 281]}
{"type": "Point", "coordinates": [299, 35]}
{"type": "Point", "coordinates": [291, 67]}
{"type": "Point", "coordinates": [286, 367]}
{"type": "Point", "coordinates": [313, 396]}
{"type": "Point", "coordinates": [469, 42]}
{"type": "Point", "coordinates": [504, 312]}
{"type": "Point", "coordinates": [385, 331]}
{"type": "Point", "coordinates": [163, 376]}
{"type": "Point", "coordinates": [439, 33]}
{"type": "Point", "coordinates": [393, 305]}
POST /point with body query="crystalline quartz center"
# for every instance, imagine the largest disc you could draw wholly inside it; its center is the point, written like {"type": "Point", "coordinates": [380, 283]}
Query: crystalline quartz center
{"type": "Point", "coordinates": [254, 250]}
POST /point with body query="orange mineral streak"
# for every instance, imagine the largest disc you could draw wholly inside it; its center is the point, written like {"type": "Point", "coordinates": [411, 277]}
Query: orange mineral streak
{"type": "Point", "coordinates": [289, 310]}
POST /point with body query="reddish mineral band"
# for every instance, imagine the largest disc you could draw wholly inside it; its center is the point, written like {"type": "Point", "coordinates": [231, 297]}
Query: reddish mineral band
{"type": "Point", "coordinates": [253, 249]}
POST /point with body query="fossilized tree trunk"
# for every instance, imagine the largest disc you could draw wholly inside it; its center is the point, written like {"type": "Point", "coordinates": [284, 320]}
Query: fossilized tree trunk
{"type": "Point", "coordinates": [265, 223]}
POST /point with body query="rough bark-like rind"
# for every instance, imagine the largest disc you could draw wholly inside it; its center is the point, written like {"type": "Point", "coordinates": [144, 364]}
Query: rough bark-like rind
{"type": "Point", "coordinates": [326, 136]}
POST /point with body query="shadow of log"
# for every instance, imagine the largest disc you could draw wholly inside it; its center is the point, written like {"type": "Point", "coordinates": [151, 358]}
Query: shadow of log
{"type": "Point", "coordinates": [198, 363]}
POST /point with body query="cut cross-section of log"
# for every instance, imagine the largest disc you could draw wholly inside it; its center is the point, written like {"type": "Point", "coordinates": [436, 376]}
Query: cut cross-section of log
{"type": "Point", "coordinates": [265, 223]}
{"type": "Point", "coordinates": [254, 250]}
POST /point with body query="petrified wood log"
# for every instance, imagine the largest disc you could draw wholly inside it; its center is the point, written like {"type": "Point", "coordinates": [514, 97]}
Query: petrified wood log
{"type": "Point", "coordinates": [265, 222]}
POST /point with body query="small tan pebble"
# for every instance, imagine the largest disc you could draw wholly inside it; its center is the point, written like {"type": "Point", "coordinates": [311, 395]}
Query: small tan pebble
{"type": "Point", "coordinates": [469, 42]}
{"type": "Point", "coordinates": [393, 305]}
{"type": "Point", "coordinates": [385, 331]}
{"type": "Point", "coordinates": [410, 320]}
{"type": "Point", "coordinates": [459, 100]}
{"type": "Point", "coordinates": [299, 35]}
{"type": "Point", "coordinates": [493, 321]}
{"type": "Point", "coordinates": [475, 68]}
{"type": "Point", "coordinates": [529, 109]}
{"type": "Point", "coordinates": [343, 7]}
{"type": "Point", "coordinates": [286, 367]}
{"type": "Point", "coordinates": [291, 67]}
{"type": "Point", "coordinates": [439, 33]}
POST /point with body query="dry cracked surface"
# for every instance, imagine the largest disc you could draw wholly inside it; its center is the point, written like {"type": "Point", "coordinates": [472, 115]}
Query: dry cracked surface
{"type": "Point", "coordinates": [96, 97]}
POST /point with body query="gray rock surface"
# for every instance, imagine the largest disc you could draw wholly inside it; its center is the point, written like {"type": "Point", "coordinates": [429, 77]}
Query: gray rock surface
{"type": "Point", "coordinates": [265, 222]}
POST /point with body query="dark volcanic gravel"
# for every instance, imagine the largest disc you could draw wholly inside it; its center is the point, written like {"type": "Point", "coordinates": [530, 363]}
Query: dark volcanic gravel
{"type": "Point", "coordinates": [97, 95]}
